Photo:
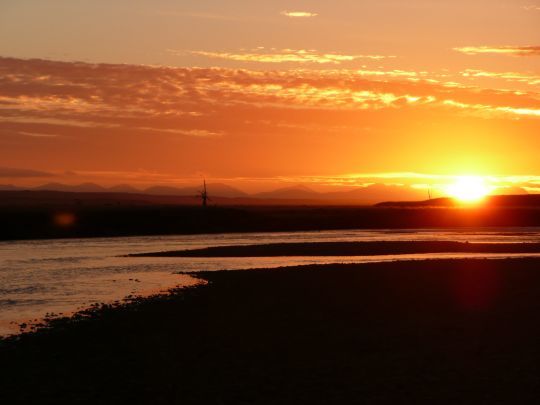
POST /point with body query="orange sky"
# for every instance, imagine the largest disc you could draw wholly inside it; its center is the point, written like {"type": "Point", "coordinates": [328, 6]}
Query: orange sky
{"type": "Point", "coordinates": [264, 94]}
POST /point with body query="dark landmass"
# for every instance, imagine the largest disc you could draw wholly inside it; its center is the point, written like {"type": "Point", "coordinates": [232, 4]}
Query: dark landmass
{"type": "Point", "coordinates": [526, 200]}
{"type": "Point", "coordinates": [348, 249]}
{"type": "Point", "coordinates": [157, 196]}
{"type": "Point", "coordinates": [433, 332]}
{"type": "Point", "coordinates": [37, 215]}
{"type": "Point", "coordinates": [288, 195]}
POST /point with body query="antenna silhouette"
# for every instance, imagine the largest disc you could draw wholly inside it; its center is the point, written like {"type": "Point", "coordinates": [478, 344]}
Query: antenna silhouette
{"type": "Point", "coordinates": [429, 193]}
{"type": "Point", "coordinates": [204, 195]}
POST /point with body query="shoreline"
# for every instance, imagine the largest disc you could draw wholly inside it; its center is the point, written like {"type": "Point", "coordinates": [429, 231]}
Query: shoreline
{"type": "Point", "coordinates": [28, 324]}
{"type": "Point", "coordinates": [370, 248]}
{"type": "Point", "coordinates": [443, 331]}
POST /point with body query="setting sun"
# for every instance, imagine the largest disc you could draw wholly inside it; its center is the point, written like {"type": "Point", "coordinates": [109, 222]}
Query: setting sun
{"type": "Point", "coordinates": [468, 189]}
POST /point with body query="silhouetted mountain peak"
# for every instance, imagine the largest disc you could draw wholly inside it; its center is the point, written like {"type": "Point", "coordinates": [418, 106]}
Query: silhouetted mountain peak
{"type": "Point", "coordinates": [9, 187]}
{"type": "Point", "coordinates": [292, 192]}
{"type": "Point", "coordinates": [214, 190]}
{"type": "Point", "coordinates": [124, 188]}
{"type": "Point", "coordinates": [81, 188]}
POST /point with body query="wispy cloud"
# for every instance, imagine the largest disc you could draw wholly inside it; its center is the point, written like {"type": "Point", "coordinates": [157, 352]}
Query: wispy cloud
{"type": "Point", "coordinates": [164, 116]}
{"type": "Point", "coordinates": [273, 55]}
{"type": "Point", "coordinates": [531, 7]}
{"type": "Point", "coordinates": [491, 110]}
{"type": "Point", "coordinates": [10, 172]}
{"type": "Point", "coordinates": [500, 50]}
{"type": "Point", "coordinates": [82, 100]}
{"type": "Point", "coordinates": [38, 134]}
{"type": "Point", "coordinates": [202, 133]}
{"type": "Point", "coordinates": [510, 76]}
{"type": "Point", "coordinates": [299, 14]}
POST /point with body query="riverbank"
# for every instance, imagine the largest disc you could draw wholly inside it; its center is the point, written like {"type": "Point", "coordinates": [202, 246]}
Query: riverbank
{"type": "Point", "coordinates": [372, 248]}
{"type": "Point", "coordinates": [441, 331]}
{"type": "Point", "coordinates": [77, 220]}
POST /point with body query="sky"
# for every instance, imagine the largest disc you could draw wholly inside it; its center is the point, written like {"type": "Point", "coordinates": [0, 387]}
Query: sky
{"type": "Point", "coordinates": [264, 94]}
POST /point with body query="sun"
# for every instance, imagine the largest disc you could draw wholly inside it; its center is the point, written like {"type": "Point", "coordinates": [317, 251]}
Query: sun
{"type": "Point", "coordinates": [468, 189]}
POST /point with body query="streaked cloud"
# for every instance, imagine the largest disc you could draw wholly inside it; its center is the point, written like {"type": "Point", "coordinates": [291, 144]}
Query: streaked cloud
{"type": "Point", "coordinates": [10, 172]}
{"type": "Point", "coordinates": [531, 7]}
{"type": "Point", "coordinates": [396, 73]}
{"type": "Point", "coordinates": [510, 76]}
{"type": "Point", "coordinates": [500, 50]}
{"type": "Point", "coordinates": [491, 110]}
{"type": "Point", "coordinates": [38, 134]}
{"type": "Point", "coordinates": [272, 55]}
{"type": "Point", "coordinates": [182, 101]}
{"type": "Point", "coordinates": [299, 14]}
{"type": "Point", "coordinates": [202, 133]}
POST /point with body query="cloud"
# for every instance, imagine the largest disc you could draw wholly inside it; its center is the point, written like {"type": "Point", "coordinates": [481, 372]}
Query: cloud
{"type": "Point", "coordinates": [187, 132]}
{"type": "Point", "coordinates": [37, 134]}
{"type": "Point", "coordinates": [62, 101]}
{"type": "Point", "coordinates": [509, 76]}
{"type": "Point", "coordinates": [263, 55]}
{"type": "Point", "coordinates": [500, 50]}
{"type": "Point", "coordinates": [487, 110]}
{"type": "Point", "coordinates": [531, 7]}
{"type": "Point", "coordinates": [299, 14]}
{"type": "Point", "coordinates": [230, 122]}
{"type": "Point", "coordinates": [10, 172]}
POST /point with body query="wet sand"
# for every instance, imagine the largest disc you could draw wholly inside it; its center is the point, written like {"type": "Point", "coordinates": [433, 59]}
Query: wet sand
{"type": "Point", "coordinates": [437, 332]}
{"type": "Point", "coordinates": [349, 249]}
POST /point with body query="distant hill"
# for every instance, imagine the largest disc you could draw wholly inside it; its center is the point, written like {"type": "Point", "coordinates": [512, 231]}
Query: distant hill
{"type": "Point", "coordinates": [495, 201]}
{"type": "Point", "coordinates": [528, 200]}
{"type": "Point", "coordinates": [9, 187]}
{"type": "Point", "coordinates": [294, 195]}
{"type": "Point", "coordinates": [379, 192]}
{"type": "Point", "coordinates": [165, 190]}
{"type": "Point", "coordinates": [80, 188]}
{"type": "Point", "coordinates": [124, 188]}
{"type": "Point", "coordinates": [294, 192]}
{"type": "Point", "coordinates": [222, 194]}
{"type": "Point", "coordinates": [214, 189]}
{"type": "Point", "coordinates": [361, 195]}
{"type": "Point", "coordinates": [435, 202]}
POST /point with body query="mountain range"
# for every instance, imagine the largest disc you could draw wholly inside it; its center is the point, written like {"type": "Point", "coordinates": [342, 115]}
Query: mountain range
{"type": "Point", "coordinates": [370, 194]}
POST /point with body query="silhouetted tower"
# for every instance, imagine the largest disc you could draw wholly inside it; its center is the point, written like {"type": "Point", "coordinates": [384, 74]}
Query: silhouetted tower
{"type": "Point", "coordinates": [204, 195]}
{"type": "Point", "coordinates": [429, 193]}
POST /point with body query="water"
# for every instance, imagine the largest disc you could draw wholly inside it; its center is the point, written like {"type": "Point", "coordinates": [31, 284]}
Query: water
{"type": "Point", "coordinates": [62, 276]}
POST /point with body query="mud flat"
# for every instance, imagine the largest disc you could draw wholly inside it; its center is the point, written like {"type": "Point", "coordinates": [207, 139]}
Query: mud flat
{"type": "Point", "coordinates": [434, 331]}
{"type": "Point", "coordinates": [349, 249]}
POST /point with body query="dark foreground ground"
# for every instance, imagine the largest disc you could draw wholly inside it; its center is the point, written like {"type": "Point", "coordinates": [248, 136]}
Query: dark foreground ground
{"type": "Point", "coordinates": [434, 332]}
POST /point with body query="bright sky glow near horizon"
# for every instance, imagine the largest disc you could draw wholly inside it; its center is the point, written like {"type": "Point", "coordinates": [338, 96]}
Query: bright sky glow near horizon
{"type": "Point", "coordinates": [267, 94]}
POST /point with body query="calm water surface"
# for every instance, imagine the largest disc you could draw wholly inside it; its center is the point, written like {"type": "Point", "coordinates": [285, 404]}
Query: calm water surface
{"type": "Point", "coordinates": [62, 276]}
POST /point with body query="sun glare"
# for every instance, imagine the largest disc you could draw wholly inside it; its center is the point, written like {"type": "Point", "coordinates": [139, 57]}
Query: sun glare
{"type": "Point", "coordinates": [468, 189]}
